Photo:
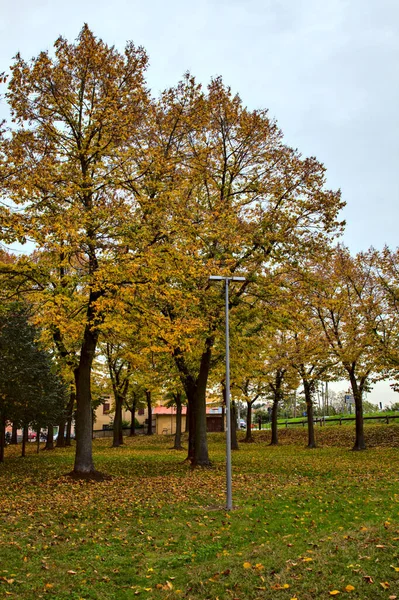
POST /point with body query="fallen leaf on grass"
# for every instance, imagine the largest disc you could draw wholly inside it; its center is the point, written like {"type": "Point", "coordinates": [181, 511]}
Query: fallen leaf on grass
{"type": "Point", "coordinates": [368, 579]}
{"type": "Point", "coordinates": [278, 586]}
{"type": "Point", "coordinates": [349, 588]}
{"type": "Point", "coordinates": [247, 565]}
{"type": "Point", "coordinates": [385, 585]}
{"type": "Point", "coordinates": [334, 592]}
{"type": "Point", "coordinates": [71, 572]}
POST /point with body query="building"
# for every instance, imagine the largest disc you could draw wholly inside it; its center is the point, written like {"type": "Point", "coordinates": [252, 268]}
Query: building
{"type": "Point", "coordinates": [163, 418]}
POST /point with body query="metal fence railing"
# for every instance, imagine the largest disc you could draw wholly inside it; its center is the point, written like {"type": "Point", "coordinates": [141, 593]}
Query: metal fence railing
{"type": "Point", "coordinates": [108, 433]}
{"type": "Point", "coordinates": [324, 420]}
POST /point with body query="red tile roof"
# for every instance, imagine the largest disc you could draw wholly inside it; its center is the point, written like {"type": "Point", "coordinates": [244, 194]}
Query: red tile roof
{"type": "Point", "coordinates": [164, 410]}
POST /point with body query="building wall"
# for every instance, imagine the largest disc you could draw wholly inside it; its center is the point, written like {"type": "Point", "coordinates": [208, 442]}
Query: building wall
{"type": "Point", "coordinates": [166, 424]}
{"type": "Point", "coordinates": [105, 418]}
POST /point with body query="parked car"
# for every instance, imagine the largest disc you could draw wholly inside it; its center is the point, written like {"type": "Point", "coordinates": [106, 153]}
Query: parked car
{"type": "Point", "coordinates": [243, 424]}
{"type": "Point", "coordinates": [32, 436]}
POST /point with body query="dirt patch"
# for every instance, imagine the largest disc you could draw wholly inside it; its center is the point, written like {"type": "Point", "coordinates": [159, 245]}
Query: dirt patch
{"type": "Point", "coordinates": [94, 476]}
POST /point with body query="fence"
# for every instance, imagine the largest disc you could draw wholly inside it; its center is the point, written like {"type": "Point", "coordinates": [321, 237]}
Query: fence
{"type": "Point", "coordinates": [108, 433]}
{"type": "Point", "coordinates": [323, 420]}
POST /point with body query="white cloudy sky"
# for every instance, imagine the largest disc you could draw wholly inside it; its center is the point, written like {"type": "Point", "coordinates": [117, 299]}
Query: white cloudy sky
{"type": "Point", "coordinates": [327, 70]}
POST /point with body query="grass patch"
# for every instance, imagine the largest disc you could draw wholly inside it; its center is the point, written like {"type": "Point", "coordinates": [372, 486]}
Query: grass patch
{"type": "Point", "coordinates": [306, 523]}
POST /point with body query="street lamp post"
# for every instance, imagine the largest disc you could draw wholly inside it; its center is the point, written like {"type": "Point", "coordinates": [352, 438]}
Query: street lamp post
{"type": "Point", "coordinates": [229, 498]}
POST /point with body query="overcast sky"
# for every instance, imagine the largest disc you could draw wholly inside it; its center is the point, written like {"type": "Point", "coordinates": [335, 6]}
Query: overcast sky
{"type": "Point", "coordinates": [326, 70]}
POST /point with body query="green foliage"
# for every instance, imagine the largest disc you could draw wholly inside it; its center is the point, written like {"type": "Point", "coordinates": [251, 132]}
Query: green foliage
{"type": "Point", "coordinates": [31, 391]}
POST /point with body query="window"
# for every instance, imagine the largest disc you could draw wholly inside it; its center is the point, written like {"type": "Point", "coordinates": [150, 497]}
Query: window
{"type": "Point", "coordinates": [106, 408]}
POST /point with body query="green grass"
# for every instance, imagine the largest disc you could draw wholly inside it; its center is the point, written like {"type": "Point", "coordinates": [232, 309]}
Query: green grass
{"type": "Point", "coordinates": [379, 417]}
{"type": "Point", "coordinates": [316, 521]}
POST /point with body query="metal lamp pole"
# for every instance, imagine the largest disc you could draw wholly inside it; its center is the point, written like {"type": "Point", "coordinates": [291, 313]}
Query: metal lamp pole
{"type": "Point", "coordinates": [229, 497]}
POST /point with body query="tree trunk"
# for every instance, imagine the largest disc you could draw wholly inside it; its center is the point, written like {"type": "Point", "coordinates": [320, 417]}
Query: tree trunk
{"type": "Point", "coordinates": [201, 457]}
{"type": "Point", "coordinates": [118, 433]}
{"type": "Point", "coordinates": [248, 436]}
{"type": "Point", "coordinates": [61, 433]}
{"type": "Point", "coordinates": [274, 440]}
{"type": "Point", "coordinates": [149, 409]}
{"type": "Point", "coordinates": [233, 418]}
{"type": "Point", "coordinates": [84, 457]}
{"type": "Point", "coordinates": [357, 390]}
{"type": "Point", "coordinates": [133, 420]}
{"type": "Point", "coordinates": [50, 438]}
{"type": "Point", "coordinates": [14, 434]}
{"type": "Point", "coordinates": [190, 418]}
{"type": "Point", "coordinates": [69, 413]}
{"type": "Point", "coordinates": [38, 439]}
{"type": "Point", "coordinates": [309, 411]}
{"type": "Point", "coordinates": [276, 388]}
{"type": "Point", "coordinates": [223, 416]}
{"type": "Point", "coordinates": [189, 385]}
{"type": "Point", "coordinates": [2, 435]}
{"type": "Point", "coordinates": [177, 444]}
{"type": "Point", "coordinates": [24, 440]}
{"type": "Point", "coordinates": [195, 389]}
{"type": "Point", "coordinates": [187, 425]}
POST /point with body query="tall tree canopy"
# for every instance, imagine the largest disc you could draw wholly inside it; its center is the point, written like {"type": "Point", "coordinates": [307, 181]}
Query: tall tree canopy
{"type": "Point", "coordinates": [134, 202]}
{"type": "Point", "coordinates": [76, 117]}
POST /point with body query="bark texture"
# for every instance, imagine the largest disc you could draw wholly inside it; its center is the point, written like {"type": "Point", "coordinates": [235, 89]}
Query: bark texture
{"type": "Point", "coordinates": [233, 417]}
{"type": "Point", "coordinates": [307, 386]}
{"type": "Point", "coordinates": [178, 400]}
{"type": "Point", "coordinates": [195, 389]}
{"type": "Point", "coordinates": [357, 389]}
{"type": "Point", "coordinates": [149, 410]}
{"type": "Point", "coordinates": [84, 457]}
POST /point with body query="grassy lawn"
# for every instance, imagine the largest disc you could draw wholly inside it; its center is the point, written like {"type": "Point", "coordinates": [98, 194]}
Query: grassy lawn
{"type": "Point", "coordinates": [306, 523]}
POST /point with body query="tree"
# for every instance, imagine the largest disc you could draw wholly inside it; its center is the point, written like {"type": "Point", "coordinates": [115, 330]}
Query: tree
{"type": "Point", "coordinates": [120, 372]}
{"type": "Point", "coordinates": [176, 399]}
{"type": "Point", "coordinates": [31, 391]}
{"type": "Point", "coordinates": [76, 116]}
{"type": "Point", "coordinates": [133, 402]}
{"type": "Point", "coordinates": [386, 272]}
{"type": "Point", "coordinates": [122, 193]}
{"type": "Point", "coordinates": [310, 355]}
{"type": "Point", "coordinates": [346, 299]}
{"type": "Point", "coordinates": [241, 202]}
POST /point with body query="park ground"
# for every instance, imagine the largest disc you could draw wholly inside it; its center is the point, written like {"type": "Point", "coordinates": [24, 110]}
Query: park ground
{"type": "Point", "coordinates": [307, 524]}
